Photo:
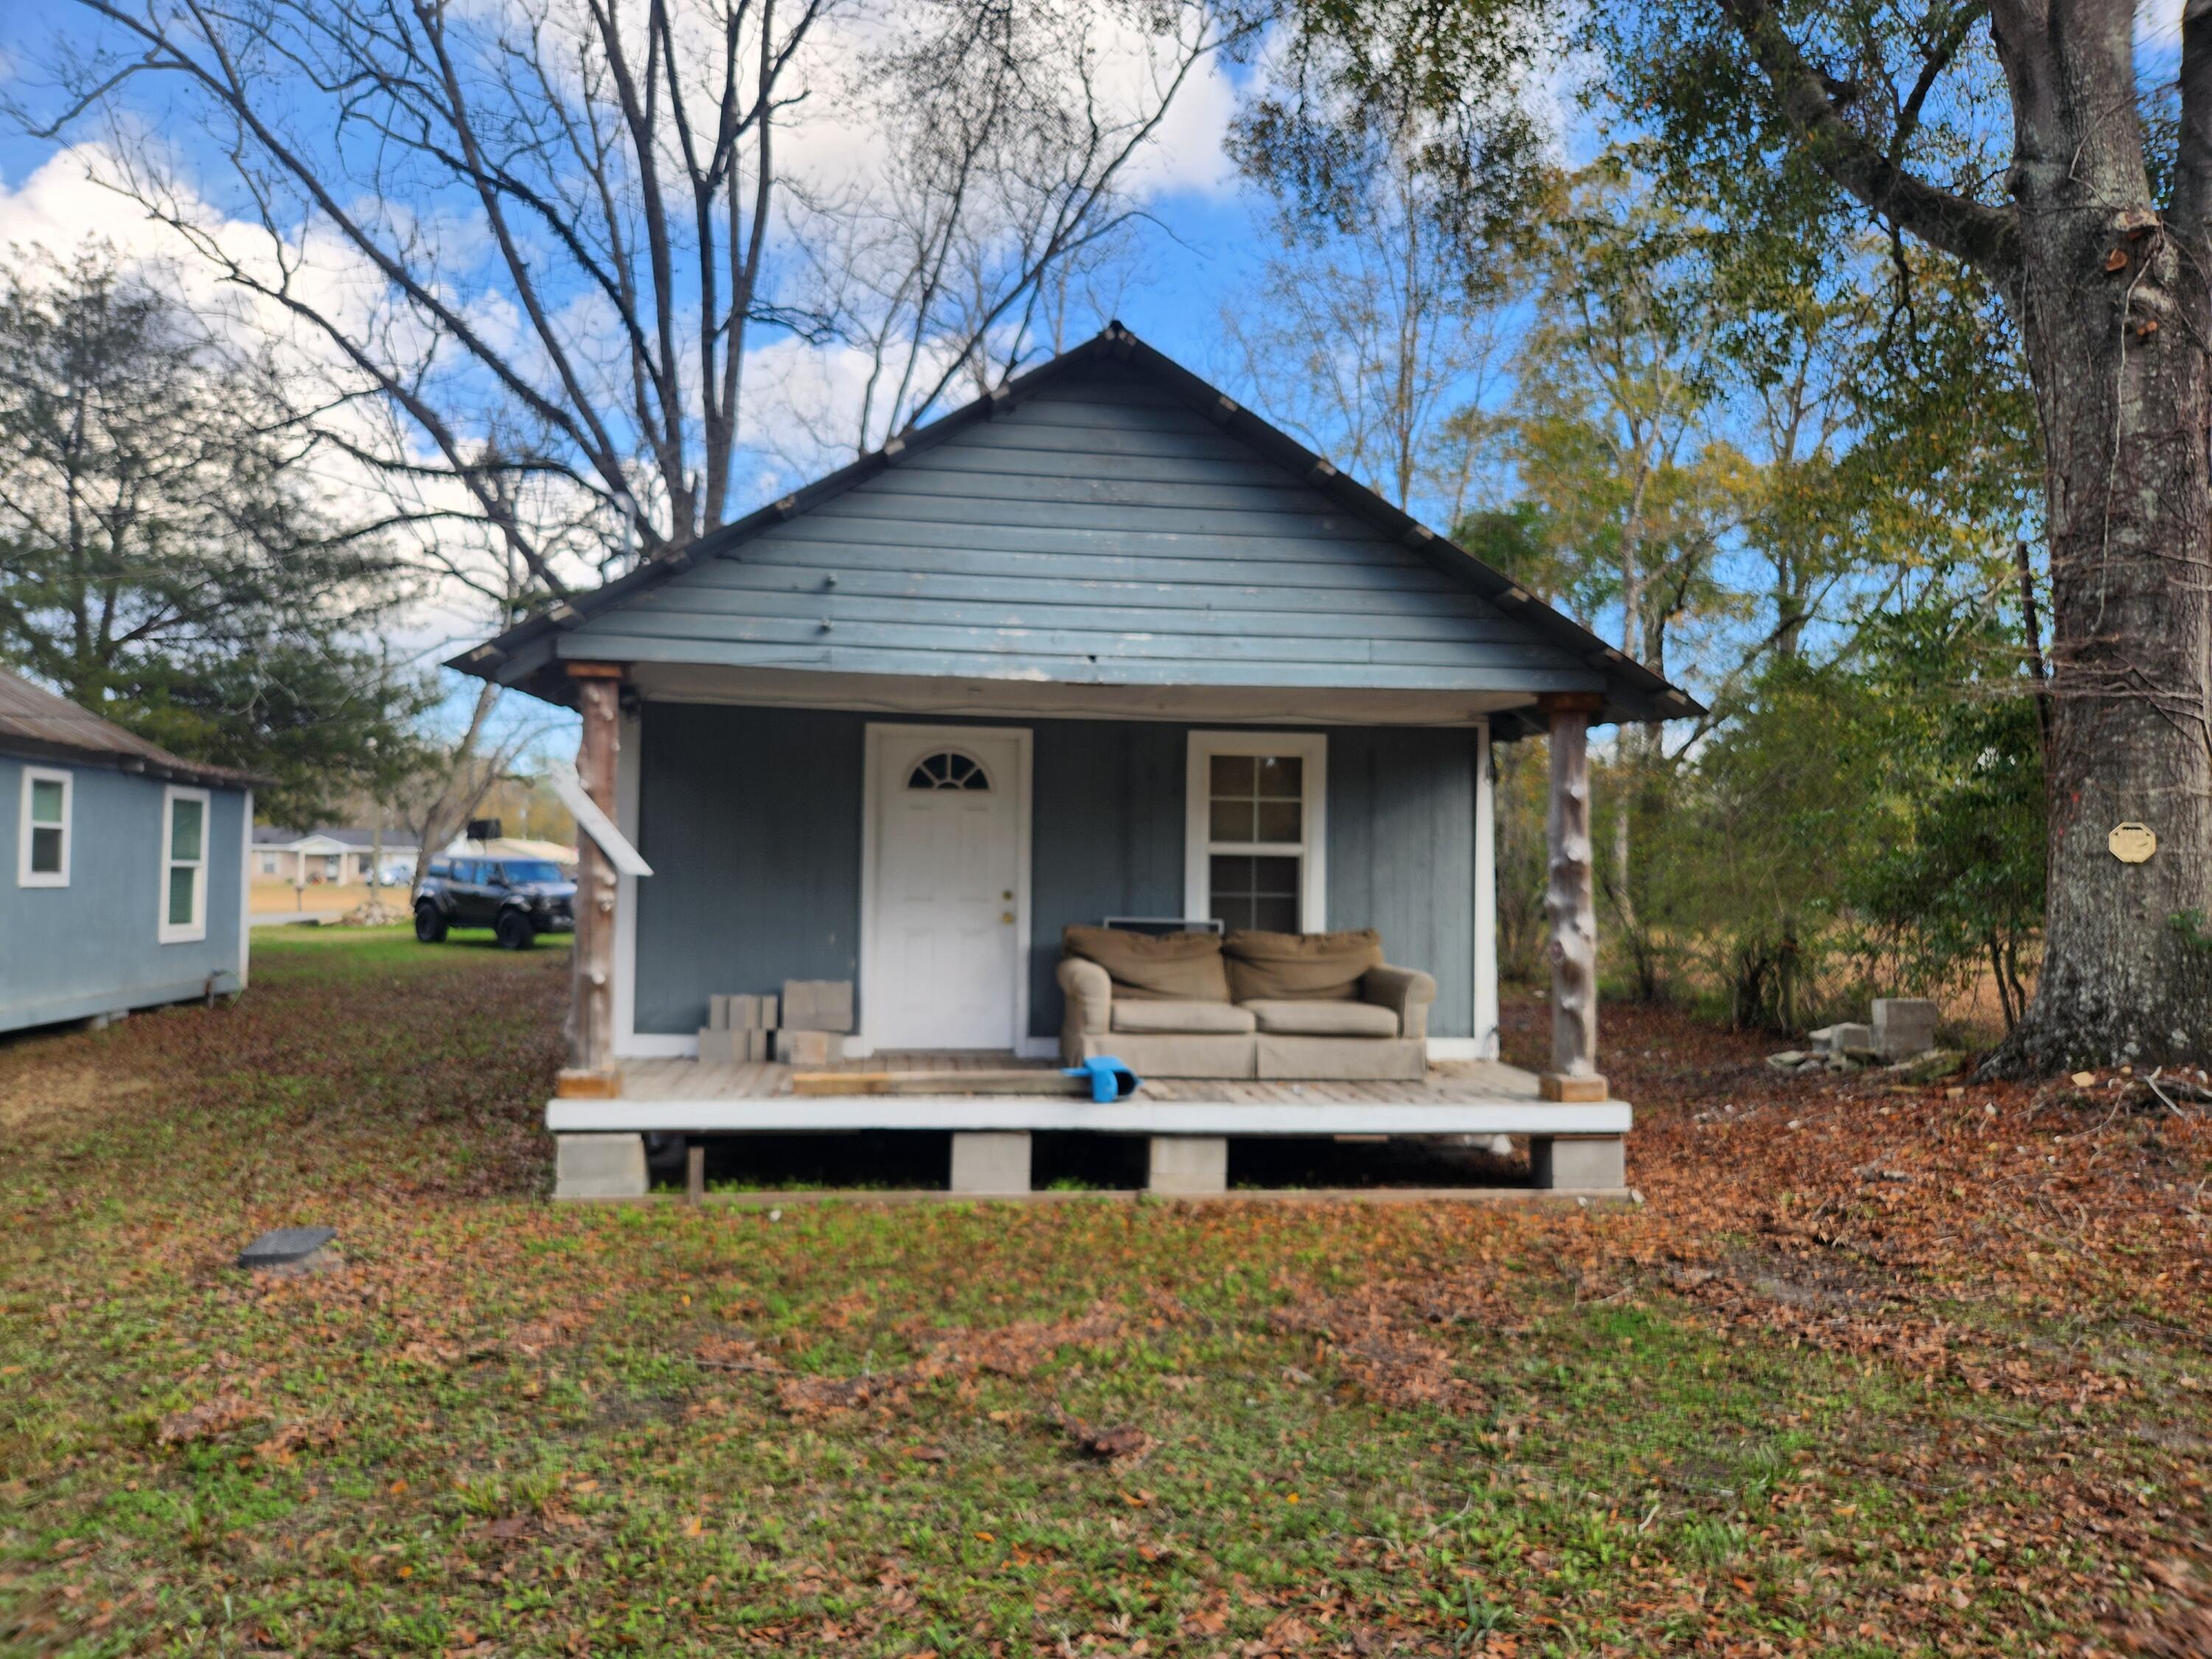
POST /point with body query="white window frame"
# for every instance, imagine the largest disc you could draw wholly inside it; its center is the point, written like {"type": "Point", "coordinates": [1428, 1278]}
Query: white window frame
{"type": "Point", "coordinates": [26, 876]}
{"type": "Point", "coordinates": [1311, 849]}
{"type": "Point", "coordinates": [185, 932]}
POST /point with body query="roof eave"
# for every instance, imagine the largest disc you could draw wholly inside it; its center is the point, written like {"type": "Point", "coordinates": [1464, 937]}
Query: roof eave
{"type": "Point", "coordinates": [173, 770]}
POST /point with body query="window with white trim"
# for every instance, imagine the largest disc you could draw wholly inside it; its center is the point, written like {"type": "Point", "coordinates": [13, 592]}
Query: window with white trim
{"type": "Point", "coordinates": [1254, 830]}
{"type": "Point", "coordinates": [184, 865]}
{"type": "Point", "coordinates": [43, 856]}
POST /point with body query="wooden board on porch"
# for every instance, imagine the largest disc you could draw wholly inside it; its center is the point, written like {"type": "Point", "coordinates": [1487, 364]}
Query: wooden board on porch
{"type": "Point", "coordinates": [1012, 1080]}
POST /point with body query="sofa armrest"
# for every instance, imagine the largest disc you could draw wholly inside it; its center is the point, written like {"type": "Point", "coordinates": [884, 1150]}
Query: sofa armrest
{"type": "Point", "coordinates": [1406, 992]}
{"type": "Point", "coordinates": [1090, 994]}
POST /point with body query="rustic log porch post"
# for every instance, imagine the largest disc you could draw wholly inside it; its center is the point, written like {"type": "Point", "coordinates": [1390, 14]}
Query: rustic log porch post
{"type": "Point", "coordinates": [1570, 903]}
{"type": "Point", "coordinates": [592, 988]}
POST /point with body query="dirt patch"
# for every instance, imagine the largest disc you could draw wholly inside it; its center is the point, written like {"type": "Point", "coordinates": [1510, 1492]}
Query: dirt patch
{"type": "Point", "coordinates": [46, 1096]}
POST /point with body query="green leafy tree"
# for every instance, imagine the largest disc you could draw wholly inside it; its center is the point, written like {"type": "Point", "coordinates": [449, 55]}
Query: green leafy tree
{"type": "Point", "coordinates": [2037, 180]}
{"type": "Point", "coordinates": [164, 559]}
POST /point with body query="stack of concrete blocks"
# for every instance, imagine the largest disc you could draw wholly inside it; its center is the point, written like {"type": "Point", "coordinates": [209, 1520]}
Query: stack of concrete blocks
{"type": "Point", "coordinates": [738, 1030]}
{"type": "Point", "coordinates": [817, 1017]}
{"type": "Point", "coordinates": [1903, 1026]}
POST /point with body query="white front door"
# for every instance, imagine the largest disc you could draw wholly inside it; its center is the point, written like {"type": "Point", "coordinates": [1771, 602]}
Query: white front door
{"type": "Point", "coordinates": [946, 931]}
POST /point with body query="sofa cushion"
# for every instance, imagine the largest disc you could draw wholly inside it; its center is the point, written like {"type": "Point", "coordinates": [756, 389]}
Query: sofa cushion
{"type": "Point", "coordinates": [1180, 967]}
{"type": "Point", "coordinates": [1193, 1018]}
{"type": "Point", "coordinates": [1322, 1018]}
{"type": "Point", "coordinates": [1299, 967]}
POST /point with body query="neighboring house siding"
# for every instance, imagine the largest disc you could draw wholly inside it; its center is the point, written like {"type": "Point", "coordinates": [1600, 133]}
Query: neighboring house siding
{"type": "Point", "coordinates": [751, 818]}
{"type": "Point", "coordinates": [92, 947]}
{"type": "Point", "coordinates": [1100, 532]}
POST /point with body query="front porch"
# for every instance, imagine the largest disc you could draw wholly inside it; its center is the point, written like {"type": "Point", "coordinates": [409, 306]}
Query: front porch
{"type": "Point", "coordinates": [1575, 1147]}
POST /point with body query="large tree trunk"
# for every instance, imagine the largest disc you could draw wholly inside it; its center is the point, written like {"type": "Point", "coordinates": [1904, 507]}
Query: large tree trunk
{"type": "Point", "coordinates": [2110, 299]}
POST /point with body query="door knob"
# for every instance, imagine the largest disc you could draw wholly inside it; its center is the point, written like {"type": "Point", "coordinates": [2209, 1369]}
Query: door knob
{"type": "Point", "coordinates": [1007, 916]}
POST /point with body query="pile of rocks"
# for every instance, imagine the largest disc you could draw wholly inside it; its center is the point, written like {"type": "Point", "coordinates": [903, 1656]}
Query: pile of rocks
{"type": "Point", "coordinates": [1902, 1037]}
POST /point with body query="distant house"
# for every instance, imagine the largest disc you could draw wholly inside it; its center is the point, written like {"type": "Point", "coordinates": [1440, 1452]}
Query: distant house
{"type": "Point", "coordinates": [122, 867]}
{"type": "Point", "coordinates": [512, 847]}
{"type": "Point", "coordinates": [309, 858]}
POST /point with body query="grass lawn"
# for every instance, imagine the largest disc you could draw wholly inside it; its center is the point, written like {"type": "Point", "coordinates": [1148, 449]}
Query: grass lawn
{"type": "Point", "coordinates": [1873, 1372]}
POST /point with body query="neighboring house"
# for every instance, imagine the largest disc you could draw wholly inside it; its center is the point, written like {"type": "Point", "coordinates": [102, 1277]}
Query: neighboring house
{"type": "Point", "coordinates": [512, 847]}
{"type": "Point", "coordinates": [1101, 645]}
{"type": "Point", "coordinates": [312, 857]}
{"type": "Point", "coordinates": [122, 867]}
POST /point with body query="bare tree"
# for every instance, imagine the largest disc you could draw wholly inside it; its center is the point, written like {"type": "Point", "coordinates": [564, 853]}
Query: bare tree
{"type": "Point", "coordinates": [530, 242]}
{"type": "Point", "coordinates": [1373, 338]}
{"type": "Point", "coordinates": [1012, 132]}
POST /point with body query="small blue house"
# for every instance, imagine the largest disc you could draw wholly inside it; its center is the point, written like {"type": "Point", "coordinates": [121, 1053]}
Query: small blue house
{"type": "Point", "coordinates": [123, 876]}
{"type": "Point", "coordinates": [1101, 650]}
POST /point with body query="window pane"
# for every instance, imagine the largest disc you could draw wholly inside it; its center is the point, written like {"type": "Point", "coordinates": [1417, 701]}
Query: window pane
{"type": "Point", "coordinates": [1255, 892]}
{"type": "Point", "coordinates": [1282, 777]}
{"type": "Point", "coordinates": [46, 851]}
{"type": "Point", "coordinates": [1232, 774]}
{"type": "Point", "coordinates": [46, 800]}
{"type": "Point", "coordinates": [1229, 820]}
{"type": "Point", "coordinates": [1280, 820]}
{"type": "Point", "coordinates": [185, 832]}
{"type": "Point", "coordinates": [184, 882]}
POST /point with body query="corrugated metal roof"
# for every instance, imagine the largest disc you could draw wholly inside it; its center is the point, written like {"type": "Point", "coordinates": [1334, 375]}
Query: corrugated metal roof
{"type": "Point", "coordinates": [1108, 518]}
{"type": "Point", "coordinates": [37, 725]}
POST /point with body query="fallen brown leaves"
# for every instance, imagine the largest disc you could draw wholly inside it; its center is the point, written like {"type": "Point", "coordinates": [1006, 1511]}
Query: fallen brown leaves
{"type": "Point", "coordinates": [1376, 1337]}
{"type": "Point", "coordinates": [1107, 1444]}
{"type": "Point", "coordinates": [1014, 1350]}
{"type": "Point", "coordinates": [2182, 1628]}
{"type": "Point", "coordinates": [224, 1414]}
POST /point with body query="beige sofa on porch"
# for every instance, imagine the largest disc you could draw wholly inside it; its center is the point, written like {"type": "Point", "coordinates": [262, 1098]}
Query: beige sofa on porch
{"type": "Point", "coordinates": [1321, 1006]}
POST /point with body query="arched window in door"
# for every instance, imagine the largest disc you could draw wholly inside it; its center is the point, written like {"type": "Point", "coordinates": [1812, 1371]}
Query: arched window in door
{"type": "Point", "coordinates": [948, 769]}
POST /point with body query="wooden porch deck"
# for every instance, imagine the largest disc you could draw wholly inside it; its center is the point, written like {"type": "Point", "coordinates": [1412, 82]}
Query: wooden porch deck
{"type": "Point", "coordinates": [1454, 1097]}
{"type": "Point", "coordinates": [1448, 1083]}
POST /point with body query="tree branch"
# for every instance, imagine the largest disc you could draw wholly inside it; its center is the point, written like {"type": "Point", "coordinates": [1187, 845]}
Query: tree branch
{"type": "Point", "coordinates": [1986, 237]}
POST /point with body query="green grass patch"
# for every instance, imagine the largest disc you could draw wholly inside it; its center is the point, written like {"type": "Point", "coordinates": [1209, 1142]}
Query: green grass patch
{"type": "Point", "coordinates": [508, 1428]}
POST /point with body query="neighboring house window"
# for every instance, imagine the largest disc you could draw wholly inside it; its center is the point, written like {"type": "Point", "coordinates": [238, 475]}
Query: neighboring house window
{"type": "Point", "coordinates": [44, 860]}
{"type": "Point", "coordinates": [268, 864]}
{"type": "Point", "coordinates": [1254, 830]}
{"type": "Point", "coordinates": [184, 865]}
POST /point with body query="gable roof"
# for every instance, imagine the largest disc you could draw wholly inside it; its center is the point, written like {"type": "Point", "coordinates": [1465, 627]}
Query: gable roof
{"type": "Point", "coordinates": [37, 725]}
{"type": "Point", "coordinates": [1108, 518]}
{"type": "Point", "coordinates": [271, 838]}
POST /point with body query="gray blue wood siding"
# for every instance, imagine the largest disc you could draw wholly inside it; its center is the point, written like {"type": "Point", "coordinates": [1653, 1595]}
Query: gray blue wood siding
{"type": "Point", "coordinates": [1100, 531]}
{"type": "Point", "coordinates": [751, 819]}
{"type": "Point", "coordinates": [94, 946]}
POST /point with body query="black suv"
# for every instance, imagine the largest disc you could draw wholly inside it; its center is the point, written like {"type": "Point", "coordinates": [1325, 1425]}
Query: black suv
{"type": "Point", "coordinates": [518, 898]}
